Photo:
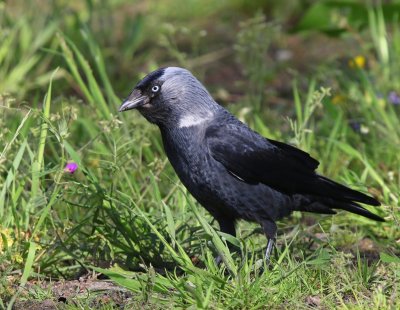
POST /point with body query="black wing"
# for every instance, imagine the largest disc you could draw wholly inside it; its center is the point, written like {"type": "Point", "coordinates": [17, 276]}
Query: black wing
{"type": "Point", "coordinates": [255, 159]}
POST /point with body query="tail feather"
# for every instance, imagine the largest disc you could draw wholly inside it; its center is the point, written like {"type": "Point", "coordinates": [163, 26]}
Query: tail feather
{"type": "Point", "coordinates": [331, 195]}
{"type": "Point", "coordinates": [327, 206]}
{"type": "Point", "coordinates": [341, 192]}
{"type": "Point", "coordinates": [357, 209]}
{"type": "Point", "coordinates": [317, 207]}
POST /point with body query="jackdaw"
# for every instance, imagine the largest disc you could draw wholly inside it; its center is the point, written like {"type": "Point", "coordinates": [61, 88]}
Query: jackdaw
{"type": "Point", "coordinates": [231, 170]}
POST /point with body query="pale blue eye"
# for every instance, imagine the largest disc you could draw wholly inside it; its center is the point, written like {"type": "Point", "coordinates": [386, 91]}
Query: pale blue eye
{"type": "Point", "coordinates": [155, 88]}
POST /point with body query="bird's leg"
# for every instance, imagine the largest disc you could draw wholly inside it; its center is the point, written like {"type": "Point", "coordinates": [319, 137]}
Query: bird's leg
{"type": "Point", "coordinates": [270, 246]}
{"type": "Point", "coordinates": [270, 229]}
{"type": "Point", "coordinates": [226, 225]}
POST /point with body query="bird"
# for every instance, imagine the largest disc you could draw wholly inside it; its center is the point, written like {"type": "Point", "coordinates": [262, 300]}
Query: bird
{"type": "Point", "coordinates": [231, 170]}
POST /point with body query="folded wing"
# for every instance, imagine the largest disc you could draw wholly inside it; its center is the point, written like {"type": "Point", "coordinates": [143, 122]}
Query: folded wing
{"type": "Point", "coordinates": [255, 159]}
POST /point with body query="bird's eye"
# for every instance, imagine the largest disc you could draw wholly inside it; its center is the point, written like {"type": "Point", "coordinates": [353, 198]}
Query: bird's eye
{"type": "Point", "coordinates": [155, 88]}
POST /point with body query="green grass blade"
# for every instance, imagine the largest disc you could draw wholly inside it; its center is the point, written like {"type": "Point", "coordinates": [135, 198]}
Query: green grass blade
{"type": "Point", "coordinates": [37, 165]}
{"type": "Point", "coordinates": [100, 64]}
{"type": "Point", "coordinates": [10, 176]}
{"type": "Point", "coordinates": [220, 246]}
{"type": "Point", "coordinates": [94, 88]}
{"type": "Point", "coordinates": [73, 67]}
{"type": "Point", "coordinates": [8, 144]}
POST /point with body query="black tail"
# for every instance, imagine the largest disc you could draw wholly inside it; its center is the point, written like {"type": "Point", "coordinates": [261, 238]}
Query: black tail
{"type": "Point", "coordinates": [344, 198]}
{"type": "Point", "coordinates": [326, 206]}
{"type": "Point", "coordinates": [357, 209]}
{"type": "Point", "coordinates": [340, 192]}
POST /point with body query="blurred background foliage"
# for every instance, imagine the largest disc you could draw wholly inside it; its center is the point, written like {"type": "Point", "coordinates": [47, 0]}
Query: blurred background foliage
{"type": "Point", "coordinates": [322, 75]}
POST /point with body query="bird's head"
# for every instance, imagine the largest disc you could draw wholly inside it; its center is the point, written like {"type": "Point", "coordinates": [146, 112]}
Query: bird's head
{"type": "Point", "coordinates": [171, 96]}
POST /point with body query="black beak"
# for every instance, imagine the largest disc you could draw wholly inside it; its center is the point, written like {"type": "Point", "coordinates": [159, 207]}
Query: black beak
{"type": "Point", "coordinates": [134, 100]}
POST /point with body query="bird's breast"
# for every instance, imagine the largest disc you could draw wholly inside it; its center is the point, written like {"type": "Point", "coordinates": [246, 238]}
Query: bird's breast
{"type": "Point", "coordinates": [191, 159]}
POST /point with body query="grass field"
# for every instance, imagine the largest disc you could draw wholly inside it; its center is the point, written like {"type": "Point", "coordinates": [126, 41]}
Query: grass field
{"type": "Point", "coordinates": [121, 231]}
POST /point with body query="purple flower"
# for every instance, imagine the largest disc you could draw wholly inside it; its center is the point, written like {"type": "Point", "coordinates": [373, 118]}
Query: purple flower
{"type": "Point", "coordinates": [71, 167]}
{"type": "Point", "coordinates": [394, 98]}
{"type": "Point", "coordinates": [356, 126]}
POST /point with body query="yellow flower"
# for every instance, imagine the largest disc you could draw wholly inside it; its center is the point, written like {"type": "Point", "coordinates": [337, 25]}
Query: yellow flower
{"type": "Point", "coordinates": [357, 62]}
{"type": "Point", "coordinates": [338, 99]}
{"type": "Point", "coordinates": [17, 258]}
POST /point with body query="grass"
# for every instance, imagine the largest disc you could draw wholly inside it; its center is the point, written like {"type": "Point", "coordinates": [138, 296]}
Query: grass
{"type": "Point", "coordinates": [125, 215]}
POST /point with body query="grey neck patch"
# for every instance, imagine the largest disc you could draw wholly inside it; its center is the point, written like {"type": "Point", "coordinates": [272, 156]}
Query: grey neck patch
{"type": "Point", "coordinates": [191, 120]}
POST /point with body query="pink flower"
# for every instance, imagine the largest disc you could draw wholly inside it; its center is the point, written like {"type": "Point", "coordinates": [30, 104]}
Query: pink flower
{"type": "Point", "coordinates": [71, 167]}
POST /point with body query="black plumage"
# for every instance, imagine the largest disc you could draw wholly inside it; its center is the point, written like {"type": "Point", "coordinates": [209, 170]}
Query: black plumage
{"type": "Point", "coordinates": [231, 170]}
